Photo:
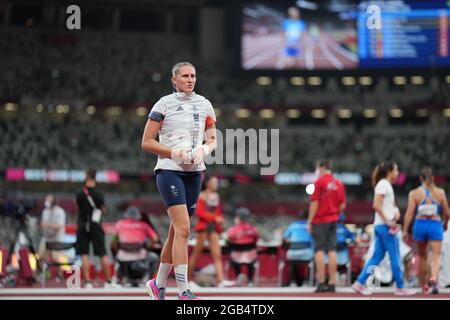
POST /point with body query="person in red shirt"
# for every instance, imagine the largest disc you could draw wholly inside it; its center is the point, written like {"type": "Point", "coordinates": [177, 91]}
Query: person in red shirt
{"type": "Point", "coordinates": [209, 227]}
{"type": "Point", "coordinates": [327, 201]}
{"type": "Point", "coordinates": [243, 236]}
{"type": "Point", "coordinates": [131, 229]}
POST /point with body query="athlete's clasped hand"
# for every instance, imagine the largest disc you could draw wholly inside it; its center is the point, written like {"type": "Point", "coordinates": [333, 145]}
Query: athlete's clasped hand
{"type": "Point", "coordinates": [181, 156]}
{"type": "Point", "coordinates": [198, 153]}
{"type": "Point", "coordinates": [189, 156]}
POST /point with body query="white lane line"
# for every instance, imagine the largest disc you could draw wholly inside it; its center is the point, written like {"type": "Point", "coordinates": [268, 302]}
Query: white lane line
{"type": "Point", "coordinates": [309, 59]}
{"type": "Point", "coordinates": [348, 54]}
{"type": "Point", "coordinates": [266, 52]}
{"type": "Point", "coordinates": [223, 298]}
{"type": "Point", "coordinates": [323, 47]}
{"type": "Point", "coordinates": [258, 59]}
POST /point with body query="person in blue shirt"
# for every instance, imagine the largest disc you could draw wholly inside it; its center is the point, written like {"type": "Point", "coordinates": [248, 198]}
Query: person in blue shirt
{"type": "Point", "coordinates": [343, 238]}
{"type": "Point", "coordinates": [300, 243]}
{"type": "Point", "coordinates": [293, 29]}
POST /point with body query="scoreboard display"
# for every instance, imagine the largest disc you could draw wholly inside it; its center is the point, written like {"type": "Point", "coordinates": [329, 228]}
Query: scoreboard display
{"type": "Point", "coordinates": [344, 35]}
{"type": "Point", "coordinates": [410, 34]}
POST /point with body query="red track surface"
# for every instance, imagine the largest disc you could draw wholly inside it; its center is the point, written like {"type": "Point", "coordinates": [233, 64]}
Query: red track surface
{"type": "Point", "coordinates": [263, 52]}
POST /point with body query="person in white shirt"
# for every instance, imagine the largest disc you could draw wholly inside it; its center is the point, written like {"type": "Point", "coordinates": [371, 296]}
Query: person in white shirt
{"type": "Point", "coordinates": [53, 225]}
{"type": "Point", "coordinates": [181, 119]}
{"type": "Point", "coordinates": [386, 215]}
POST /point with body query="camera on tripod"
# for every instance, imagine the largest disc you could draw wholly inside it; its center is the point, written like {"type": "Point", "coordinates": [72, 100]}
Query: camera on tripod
{"type": "Point", "coordinates": [21, 242]}
{"type": "Point", "coordinates": [20, 209]}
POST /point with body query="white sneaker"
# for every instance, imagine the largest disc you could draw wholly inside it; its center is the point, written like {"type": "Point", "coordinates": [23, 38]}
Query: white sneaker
{"type": "Point", "coordinates": [193, 286]}
{"type": "Point", "coordinates": [361, 289]}
{"type": "Point", "coordinates": [112, 285]}
{"type": "Point", "coordinates": [225, 283]}
{"type": "Point", "coordinates": [89, 285]}
{"type": "Point", "coordinates": [405, 292]}
{"type": "Point", "coordinates": [293, 285]}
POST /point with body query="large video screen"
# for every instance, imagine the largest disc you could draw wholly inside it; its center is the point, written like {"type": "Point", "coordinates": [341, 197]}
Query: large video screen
{"type": "Point", "coordinates": [344, 35]}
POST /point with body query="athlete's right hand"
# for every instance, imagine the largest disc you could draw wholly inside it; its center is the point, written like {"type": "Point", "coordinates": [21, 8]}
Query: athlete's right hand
{"type": "Point", "coordinates": [391, 224]}
{"type": "Point", "coordinates": [309, 228]}
{"type": "Point", "coordinates": [198, 154]}
{"type": "Point", "coordinates": [219, 220]}
{"type": "Point", "coordinates": [405, 236]}
{"type": "Point", "coordinates": [181, 156]}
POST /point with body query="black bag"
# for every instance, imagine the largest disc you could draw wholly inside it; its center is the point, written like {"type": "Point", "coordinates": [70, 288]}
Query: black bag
{"type": "Point", "coordinates": [138, 269]}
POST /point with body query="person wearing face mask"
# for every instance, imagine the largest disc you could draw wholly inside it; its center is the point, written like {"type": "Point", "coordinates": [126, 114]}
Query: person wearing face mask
{"type": "Point", "coordinates": [53, 224]}
{"type": "Point", "coordinates": [327, 201]}
{"type": "Point", "coordinates": [182, 121]}
{"type": "Point", "coordinates": [91, 207]}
